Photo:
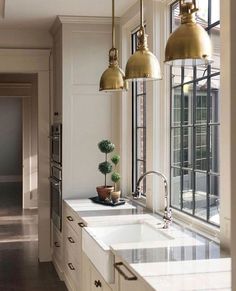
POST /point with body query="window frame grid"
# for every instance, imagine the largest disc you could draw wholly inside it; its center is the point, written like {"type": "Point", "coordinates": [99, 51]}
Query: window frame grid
{"type": "Point", "coordinates": [136, 160]}
{"type": "Point", "coordinates": [208, 124]}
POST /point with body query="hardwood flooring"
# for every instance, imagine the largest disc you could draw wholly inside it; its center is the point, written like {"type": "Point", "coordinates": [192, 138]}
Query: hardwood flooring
{"type": "Point", "coordinates": [19, 266]}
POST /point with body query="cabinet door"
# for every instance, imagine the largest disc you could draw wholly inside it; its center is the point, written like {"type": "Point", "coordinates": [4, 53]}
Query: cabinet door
{"type": "Point", "coordinates": [97, 282]}
{"type": "Point", "coordinates": [127, 280]}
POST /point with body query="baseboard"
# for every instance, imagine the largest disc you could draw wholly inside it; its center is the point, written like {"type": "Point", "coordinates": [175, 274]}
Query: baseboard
{"type": "Point", "coordinates": [58, 269]}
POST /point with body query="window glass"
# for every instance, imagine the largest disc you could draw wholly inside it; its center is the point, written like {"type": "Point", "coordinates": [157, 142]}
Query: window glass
{"type": "Point", "coordinates": [139, 126]}
{"type": "Point", "coordinates": [195, 122]}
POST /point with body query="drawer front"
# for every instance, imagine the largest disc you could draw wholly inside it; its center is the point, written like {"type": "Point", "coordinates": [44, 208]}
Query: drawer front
{"type": "Point", "coordinates": [97, 281]}
{"type": "Point", "coordinates": [73, 243]}
{"type": "Point", "coordinates": [57, 245]}
{"type": "Point", "coordinates": [71, 269]}
{"type": "Point", "coordinates": [72, 218]}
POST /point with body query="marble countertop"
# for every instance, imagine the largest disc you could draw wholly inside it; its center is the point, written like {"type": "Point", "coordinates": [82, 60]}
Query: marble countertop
{"type": "Point", "coordinates": [188, 262]}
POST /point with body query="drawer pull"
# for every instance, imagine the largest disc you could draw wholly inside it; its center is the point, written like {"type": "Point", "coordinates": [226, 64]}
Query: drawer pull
{"type": "Point", "coordinates": [81, 224]}
{"type": "Point", "coordinates": [56, 244]}
{"type": "Point", "coordinates": [71, 266]}
{"type": "Point", "coordinates": [98, 283]}
{"type": "Point", "coordinates": [117, 267]}
{"type": "Point", "coordinates": [70, 218]}
{"type": "Point", "coordinates": [70, 239]}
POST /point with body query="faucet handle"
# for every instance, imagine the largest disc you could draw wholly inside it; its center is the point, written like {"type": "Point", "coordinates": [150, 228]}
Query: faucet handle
{"type": "Point", "coordinates": [137, 193]}
{"type": "Point", "coordinates": [167, 217]}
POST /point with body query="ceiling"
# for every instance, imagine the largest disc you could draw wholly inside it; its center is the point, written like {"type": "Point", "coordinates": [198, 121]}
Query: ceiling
{"type": "Point", "coordinates": [40, 14]}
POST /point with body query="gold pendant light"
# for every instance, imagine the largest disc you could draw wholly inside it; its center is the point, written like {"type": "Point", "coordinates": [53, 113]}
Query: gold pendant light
{"type": "Point", "coordinates": [189, 44]}
{"type": "Point", "coordinates": [112, 78]}
{"type": "Point", "coordinates": [142, 65]}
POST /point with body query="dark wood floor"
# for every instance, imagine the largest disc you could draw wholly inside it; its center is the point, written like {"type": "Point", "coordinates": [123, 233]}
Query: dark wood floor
{"type": "Point", "coordinates": [19, 266]}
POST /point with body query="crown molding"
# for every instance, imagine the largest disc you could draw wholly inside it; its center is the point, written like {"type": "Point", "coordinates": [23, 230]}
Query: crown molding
{"type": "Point", "coordinates": [64, 19]}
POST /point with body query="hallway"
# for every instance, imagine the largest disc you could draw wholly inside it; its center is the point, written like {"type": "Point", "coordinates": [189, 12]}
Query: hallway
{"type": "Point", "coordinates": [19, 267]}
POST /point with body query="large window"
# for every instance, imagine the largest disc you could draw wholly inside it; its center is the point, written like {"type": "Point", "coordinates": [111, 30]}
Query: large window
{"type": "Point", "coordinates": [195, 125]}
{"type": "Point", "coordinates": [139, 126]}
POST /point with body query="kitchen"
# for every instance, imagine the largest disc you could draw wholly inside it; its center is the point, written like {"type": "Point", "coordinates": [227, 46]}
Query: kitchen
{"type": "Point", "coordinates": [76, 98]}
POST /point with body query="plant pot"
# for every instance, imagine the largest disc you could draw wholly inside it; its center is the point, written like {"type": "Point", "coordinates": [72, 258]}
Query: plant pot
{"type": "Point", "coordinates": [115, 196]}
{"type": "Point", "coordinates": [104, 192]}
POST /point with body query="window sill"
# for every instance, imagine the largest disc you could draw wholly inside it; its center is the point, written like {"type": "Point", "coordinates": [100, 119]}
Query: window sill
{"type": "Point", "coordinates": [210, 231]}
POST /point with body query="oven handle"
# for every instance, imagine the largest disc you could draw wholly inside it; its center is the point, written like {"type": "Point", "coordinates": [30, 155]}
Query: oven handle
{"type": "Point", "coordinates": [54, 137]}
{"type": "Point", "coordinates": [54, 182]}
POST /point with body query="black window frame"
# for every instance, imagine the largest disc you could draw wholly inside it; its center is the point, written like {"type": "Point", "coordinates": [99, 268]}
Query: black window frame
{"type": "Point", "coordinates": [182, 168]}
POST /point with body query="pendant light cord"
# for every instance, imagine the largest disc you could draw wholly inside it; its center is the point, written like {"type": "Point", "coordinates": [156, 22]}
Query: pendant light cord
{"type": "Point", "coordinates": [113, 23]}
{"type": "Point", "coordinates": [141, 13]}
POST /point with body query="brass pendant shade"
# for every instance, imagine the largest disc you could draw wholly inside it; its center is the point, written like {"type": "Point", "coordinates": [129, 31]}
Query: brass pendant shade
{"type": "Point", "coordinates": [113, 78]}
{"type": "Point", "coordinates": [142, 65]}
{"type": "Point", "coordinates": [189, 44]}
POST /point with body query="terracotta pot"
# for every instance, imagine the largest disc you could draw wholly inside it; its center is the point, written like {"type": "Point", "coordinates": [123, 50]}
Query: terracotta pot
{"type": "Point", "coordinates": [104, 192]}
{"type": "Point", "coordinates": [115, 196]}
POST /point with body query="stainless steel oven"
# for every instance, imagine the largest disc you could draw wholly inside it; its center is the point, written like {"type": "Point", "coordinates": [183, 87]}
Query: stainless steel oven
{"type": "Point", "coordinates": [56, 143]}
{"type": "Point", "coordinates": [56, 196]}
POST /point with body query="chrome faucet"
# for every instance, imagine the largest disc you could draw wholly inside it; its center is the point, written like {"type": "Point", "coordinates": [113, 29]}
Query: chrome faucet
{"type": "Point", "coordinates": [167, 217]}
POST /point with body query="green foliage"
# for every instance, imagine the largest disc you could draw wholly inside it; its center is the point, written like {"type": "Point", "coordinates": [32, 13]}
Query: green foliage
{"type": "Point", "coordinates": [105, 167]}
{"type": "Point", "coordinates": [106, 146]}
{"type": "Point", "coordinates": [115, 159]}
{"type": "Point", "coordinates": [115, 177]}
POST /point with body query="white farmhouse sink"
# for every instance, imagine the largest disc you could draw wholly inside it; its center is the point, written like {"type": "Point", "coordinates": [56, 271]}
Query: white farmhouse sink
{"type": "Point", "coordinates": [97, 240]}
{"type": "Point", "coordinates": [138, 232]}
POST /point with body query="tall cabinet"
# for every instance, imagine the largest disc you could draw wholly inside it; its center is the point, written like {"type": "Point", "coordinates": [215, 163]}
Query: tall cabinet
{"type": "Point", "coordinates": [80, 55]}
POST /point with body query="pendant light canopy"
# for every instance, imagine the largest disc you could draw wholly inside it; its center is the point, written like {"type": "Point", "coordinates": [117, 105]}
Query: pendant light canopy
{"type": "Point", "coordinates": [142, 65]}
{"type": "Point", "coordinates": [112, 78]}
{"type": "Point", "coordinates": [189, 44]}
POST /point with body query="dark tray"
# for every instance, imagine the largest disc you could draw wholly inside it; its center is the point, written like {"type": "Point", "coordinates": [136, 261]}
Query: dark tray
{"type": "Point", "coordinates": [107, 202]}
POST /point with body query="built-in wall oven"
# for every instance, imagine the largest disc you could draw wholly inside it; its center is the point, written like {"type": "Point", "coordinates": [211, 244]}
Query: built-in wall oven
{"type": "Point", "coordinates": [56, 143]}
{"type": "Point", "coordinates": [56, 175]}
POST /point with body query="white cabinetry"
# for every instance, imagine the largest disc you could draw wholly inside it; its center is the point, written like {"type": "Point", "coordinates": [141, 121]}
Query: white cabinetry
{"type": "Point", "coordinates": [57, 250]}
{"type": "Point", "coordinates": [72, 243]}
{"type": "Point", "coordinates": [126, 280]}
{"type": "Point", "coordinates": [80, 57]}
{"type": "Point", "coordinates": [93, 279]}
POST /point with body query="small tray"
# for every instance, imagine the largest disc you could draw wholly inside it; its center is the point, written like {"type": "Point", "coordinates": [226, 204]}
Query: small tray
{"type": "Point", "coordinates": [107, 202]}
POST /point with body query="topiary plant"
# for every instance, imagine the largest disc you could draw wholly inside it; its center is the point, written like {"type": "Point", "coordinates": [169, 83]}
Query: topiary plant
{"type": "Point", "coordinates": [106, 147]}
{"type": "Point", "coordinates": [115, 177]}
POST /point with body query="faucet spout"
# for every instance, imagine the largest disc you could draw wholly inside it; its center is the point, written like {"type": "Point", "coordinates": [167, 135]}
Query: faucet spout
{"type": "Point", "coordinates": [167, 218]}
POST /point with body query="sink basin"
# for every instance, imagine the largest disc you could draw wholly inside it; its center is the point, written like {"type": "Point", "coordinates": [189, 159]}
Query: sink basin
{"type": "Point", "coordinates": [98, 240]}
{"type": "Point", "coordinates": [138, 232]}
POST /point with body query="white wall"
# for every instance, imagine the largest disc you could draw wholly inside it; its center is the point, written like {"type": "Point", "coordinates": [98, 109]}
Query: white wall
{"type": "Point", "coordinates": [19, 38]}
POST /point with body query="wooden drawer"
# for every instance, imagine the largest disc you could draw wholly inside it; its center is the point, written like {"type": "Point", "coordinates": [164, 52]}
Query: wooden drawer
{"type": "Point", "coordinates": [57, 244]}
{"type": "Point", "coordinates": [97, 281]}
{"type": "Point", "coordinates": [71, 270]}
{"type": "Point", "coordinates": [72, 219]}
{"type": "Point", "coordinates": [73, 244]}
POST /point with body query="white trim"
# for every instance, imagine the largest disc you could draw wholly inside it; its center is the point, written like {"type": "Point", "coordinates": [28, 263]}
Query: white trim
{"type": "Point", "coordinates": [64, 19]}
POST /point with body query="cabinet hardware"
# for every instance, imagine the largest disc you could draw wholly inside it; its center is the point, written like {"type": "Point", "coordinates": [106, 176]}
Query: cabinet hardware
{"type": "Point", "coordinates": [70, 239]}
{"type": "Point", "coordinates": [117, 267]}
{"type": "Point", "coordinates": [56, 244]}
{"type": "Point", "coordinates": [81, 224]}
{"type": "Point", "coordinates": [98, 283]}
{"type": "Point", "coordinates": [71, 266]}
{"type": "Point", "coordinates": [70, 218]}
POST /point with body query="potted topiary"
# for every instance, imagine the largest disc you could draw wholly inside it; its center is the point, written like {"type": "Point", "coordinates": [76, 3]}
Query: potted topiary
{"type": "Point", "coordinates": [106, 147]}
{"type": "Point", "coordinates": [115, 177]}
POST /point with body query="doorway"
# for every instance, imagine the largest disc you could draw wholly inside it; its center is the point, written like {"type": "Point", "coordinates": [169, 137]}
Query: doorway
{"type": "Point", "coordinates": [10, 153]}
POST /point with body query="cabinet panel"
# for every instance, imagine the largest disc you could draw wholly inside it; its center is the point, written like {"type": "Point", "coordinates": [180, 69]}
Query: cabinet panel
{"type": "Point", "coordinates": [71, 269]}
{"type": "Point", "coordinates": [97, 282]}
{"type": "Point", "coordinates": [126, 280]}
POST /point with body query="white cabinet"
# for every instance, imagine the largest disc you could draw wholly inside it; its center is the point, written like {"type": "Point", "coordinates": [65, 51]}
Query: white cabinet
{"type": "Point", "coordinates": [93, 281]}
{"type": "Point", "coordinates": [126, 280]}
{"type": "Point", "coordinates": [72, 244]}
{"type": "Point", "coordinates": [57, 250]}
